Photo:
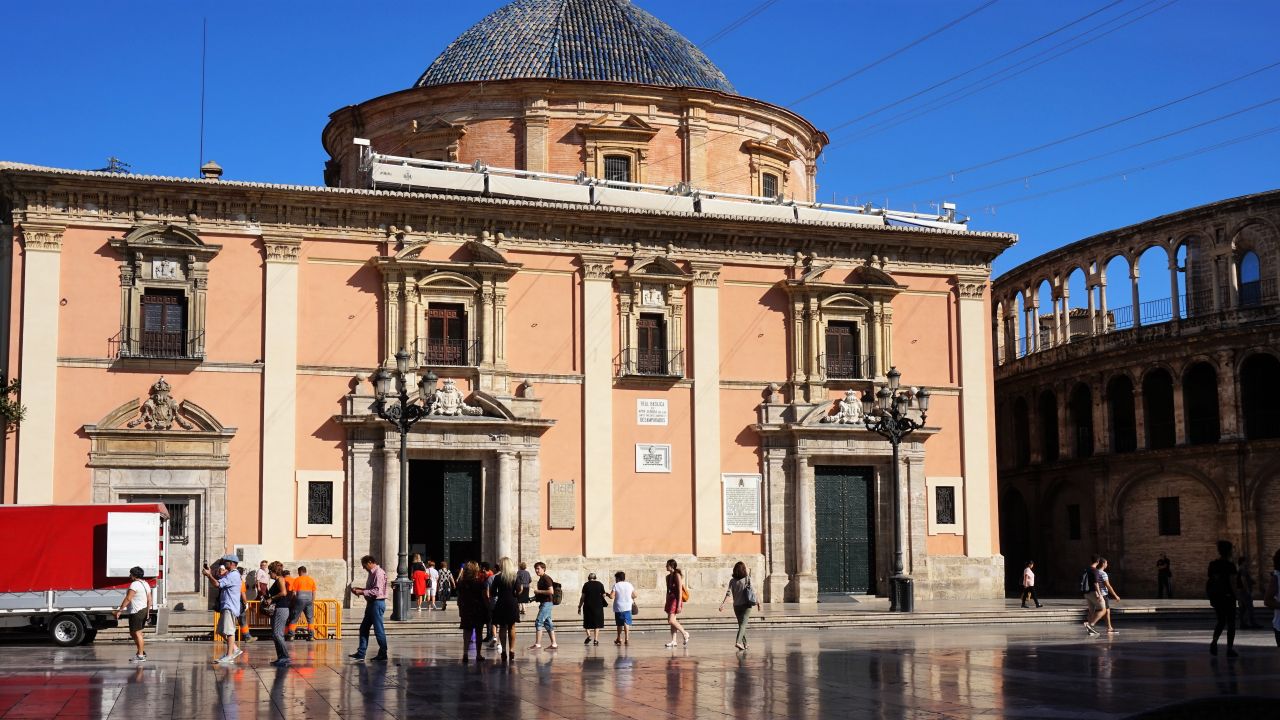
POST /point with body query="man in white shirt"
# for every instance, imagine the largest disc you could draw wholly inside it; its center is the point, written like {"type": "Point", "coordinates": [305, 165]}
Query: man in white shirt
{"type": "Point", "coordinates": [624, 596]}
{"type": "Point", "coordinates": [433, 582]}
{"type": "Point", "coordinates": [137, 603]}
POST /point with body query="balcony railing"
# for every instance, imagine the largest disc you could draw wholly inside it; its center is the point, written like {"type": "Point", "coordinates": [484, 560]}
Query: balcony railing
{"type": "Point", "coordinates": [156, 344]}
{"type": "Point", "coordinates": [658, 362]}
{"type": "Point", "coordinates": [848, 367]}
{"type": "Point", "coordinates": [429, 352]}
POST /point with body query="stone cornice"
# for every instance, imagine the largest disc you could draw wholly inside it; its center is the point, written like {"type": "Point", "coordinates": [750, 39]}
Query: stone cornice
{"type": "Point", "coordinates": [46, 238]}
{"type": "Point", "coordinates": [596, 266]}
{"type": "Point", "coordinates": [282, 249]}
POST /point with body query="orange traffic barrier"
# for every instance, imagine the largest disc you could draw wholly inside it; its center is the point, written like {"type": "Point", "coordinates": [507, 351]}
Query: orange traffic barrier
{"type": "Point", "coordinates": [327, 624]}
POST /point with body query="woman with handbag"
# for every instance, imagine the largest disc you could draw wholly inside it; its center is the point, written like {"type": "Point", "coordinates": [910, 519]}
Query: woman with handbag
{"type": "Point", "coordinates": [677, 596]}
{"type": "Point", "coordinates": [744, 598]}
{"type": "Point", "coordinates": [591, 604]}
{"type": "Point", "coordinates": [276, 606]}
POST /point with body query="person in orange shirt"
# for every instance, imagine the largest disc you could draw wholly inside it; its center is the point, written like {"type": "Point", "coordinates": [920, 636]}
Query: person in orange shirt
{"type": "Point", "coordinates": [304, 596]}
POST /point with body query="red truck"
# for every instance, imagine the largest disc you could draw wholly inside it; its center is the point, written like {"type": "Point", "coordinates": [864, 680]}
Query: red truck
{"type": "Point", "coordinates": [67, 566]}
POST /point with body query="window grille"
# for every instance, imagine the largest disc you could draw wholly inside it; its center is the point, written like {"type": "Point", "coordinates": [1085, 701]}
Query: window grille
{"type": "Point", "coordinates": [320, 502]}
{"type": "Point", "coordinates": [945, 504]}
{"type": "Point", "coordinates": [617, 168]}
{"type": "Point", "coordinates": [177, 522]}
{"type": "Point", "coordinates": [769, 185]}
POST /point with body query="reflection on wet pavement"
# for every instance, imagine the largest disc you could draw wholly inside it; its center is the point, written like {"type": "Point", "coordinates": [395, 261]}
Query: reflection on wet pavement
{"type": "Point", "coordinates": [1051, 672]}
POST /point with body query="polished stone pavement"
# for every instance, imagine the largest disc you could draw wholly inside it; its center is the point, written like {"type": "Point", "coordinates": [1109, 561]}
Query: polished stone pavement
{"type": "Point", "coordinates": [1012, 671]}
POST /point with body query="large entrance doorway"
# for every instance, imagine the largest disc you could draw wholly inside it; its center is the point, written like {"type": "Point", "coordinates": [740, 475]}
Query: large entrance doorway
{"type": "Point", "coordinates": [445, 511]}
{"type": "Point", "coordinates": [845, 523]}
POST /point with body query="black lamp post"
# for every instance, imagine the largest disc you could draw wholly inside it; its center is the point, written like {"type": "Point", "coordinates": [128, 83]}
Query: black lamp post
{"type": "Point", "coordinates": [398, 411]}
{"type": "Point", "coordinates": [886, 415]}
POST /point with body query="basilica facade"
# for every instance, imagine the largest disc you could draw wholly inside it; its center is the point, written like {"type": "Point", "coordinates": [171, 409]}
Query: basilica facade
{"type": "Point", "coordinates": [655, 371]}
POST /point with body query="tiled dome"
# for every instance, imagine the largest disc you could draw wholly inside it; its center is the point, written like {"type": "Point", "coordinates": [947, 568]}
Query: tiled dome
{"type": "Point", "coordinates": [609, 40]}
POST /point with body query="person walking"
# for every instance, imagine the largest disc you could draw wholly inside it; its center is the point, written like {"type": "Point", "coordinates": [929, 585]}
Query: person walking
{"type": "Point", "coordinates": [525, 580]}
{"type": "Point", "coordinates": [473, 603]}
{"type": "Point", "coordinates": [260, 581]}
{"type": "Point", "coordinates": [433, 584]}
{"type": "Point", "coordinates": [1091, 589]}
{"type": "Point", "coordinates": [544, 594]}
{"type": "Point", "coordinates": [275, 604]}
{"type": "Point", "coordinates": [624, 606]}
{"type": "Point", "coordinates": [303, 598]}
{"type": "Point", "coordinates": [1244, 596]}
{"type": "Point", "coordinates": [506, 605]}
{"type": "Point", "coordinates": [1272, 598]}
{"type": "Point", "coordinates": [591, 605]}
{"type": "Point", "coordinates": [374, 593]}
{"type": "Point", "coordinates": [445, 586]}
{"type": "Point", "coordinates": [418, 573]}
{"type": "Point", "coordinates": [677, 595]}
{"type": "Point", "coordinates": [229, 586]}
{"type": "Point", "coordinates": [1109, 594]}
{"type": "Point", "coordinates": [1164, 578]}
{"type": "Point", "coordinates": [1029, 584]}
{"type": "Point", "coordinates": [137, 605]}
{"type": "Point", "coordinates": [1220, 587]}
{"type": "Point", "coordinates": [744, 599]}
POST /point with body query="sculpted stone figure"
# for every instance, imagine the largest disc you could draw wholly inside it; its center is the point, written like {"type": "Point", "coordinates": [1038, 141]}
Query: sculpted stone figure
{"type": "Point", "coordinates": [160, 411]}
{"type": "Point", "coordinates": [848, 411]}
{"type": "Point", "coordinates": [448, 401]}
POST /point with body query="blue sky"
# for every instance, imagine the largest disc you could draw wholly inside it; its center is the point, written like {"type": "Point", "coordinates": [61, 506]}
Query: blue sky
{"type": "Point", "coordinates": [91, 80]}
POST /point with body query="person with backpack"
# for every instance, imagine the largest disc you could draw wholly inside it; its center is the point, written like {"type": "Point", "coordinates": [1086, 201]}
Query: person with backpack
{"type": "Point", "coordinates": [1091, 589]}
{"type": "Point", "coordinates": [744, 599]}
{"type": "Point", "coordinates": [1221, 590]}
{"type": "Point", "coordinates": [545, 594]}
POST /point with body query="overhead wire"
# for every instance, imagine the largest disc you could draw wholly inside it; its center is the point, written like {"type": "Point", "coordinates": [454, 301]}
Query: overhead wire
{"type": "Point", "coordinates": [743, 20]}
{"type": "Point", "coordinates": [942, 101]}
{"type": "Point", "coordinates": [1076, 135]}
{"type": "Point", "coordinates": [885, 58]}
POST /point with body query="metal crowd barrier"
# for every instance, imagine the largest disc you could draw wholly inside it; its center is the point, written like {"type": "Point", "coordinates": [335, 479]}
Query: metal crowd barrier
{"type": "Point", "coordinates": [327, 624]}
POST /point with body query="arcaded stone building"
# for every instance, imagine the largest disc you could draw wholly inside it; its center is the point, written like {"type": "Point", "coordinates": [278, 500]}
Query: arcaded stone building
{"type": "Point", "coordinates": [611, 264]}
{"type": "Point", "coordinates": [1149, 422]}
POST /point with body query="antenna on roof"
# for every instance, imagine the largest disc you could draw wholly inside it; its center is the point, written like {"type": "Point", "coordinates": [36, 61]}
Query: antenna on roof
{"type": "Point", "coordinates": [116, 165]}
{"type": "Point", "coordinates": [204, 50]}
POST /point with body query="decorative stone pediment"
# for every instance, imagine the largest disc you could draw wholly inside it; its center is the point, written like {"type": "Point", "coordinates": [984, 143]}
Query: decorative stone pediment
{"type": "Point", "coordinates": [435, 139]}
{"type": "Point", "coordinates": [165, 236]}
{"type": "Point", "coordinates": [781, 150]}
{"type": "Point", "coordinates": [629, 129]}
{"type": "Point", "coordinates": [159, 432]}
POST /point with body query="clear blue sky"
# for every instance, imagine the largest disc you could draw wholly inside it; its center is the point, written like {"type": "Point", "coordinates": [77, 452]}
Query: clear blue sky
{"type": "Point", "coordinates": [89, 80]}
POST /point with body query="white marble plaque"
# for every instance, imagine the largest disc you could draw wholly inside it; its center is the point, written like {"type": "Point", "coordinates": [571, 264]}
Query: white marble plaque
{"type": "Point", "coordinates": [741, 503]}
{"type": "Point", "coordinates": [562, 510]}
{"type": "Point", "coordinates": [164, 269]}
{"type": "Point", "coordinates": [652, 297]}
{"type": "Point", "coordinates": [652, 458]}
{"type": "Point", "coordinates": [651, 412]}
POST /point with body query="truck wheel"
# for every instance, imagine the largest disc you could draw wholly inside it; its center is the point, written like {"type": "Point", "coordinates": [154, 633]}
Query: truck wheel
{"type": "Point", "coordinates": [67, 631]}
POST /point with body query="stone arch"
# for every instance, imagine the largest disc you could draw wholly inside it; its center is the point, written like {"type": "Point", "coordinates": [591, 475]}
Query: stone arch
{"type": "Point", "coordinates": [1122, 413]}
{"type": "Point", "coordinates": [1200, 402]}
{"type": "Point", "coordinates": [1015, 536]}
{"type": "Point", "coordinates": [163, 234]}
{"type": "Point", "coordinates": [1126, 486]}
{"type": "Point", "coordinates": [1067, 523]}
{"type": "Point", "coordinates": [1157, 407]}
{"type": "Point", "coordinates": [1154, 290]}
{"type": "Point", "coordinates": [1116, 292]}
{"type": "Point", "coordinates": [446, 280]}
{"type": "Point", "coordinates": [1136, 508]}
{"type": "Point", "coordinates": [1259, 374]}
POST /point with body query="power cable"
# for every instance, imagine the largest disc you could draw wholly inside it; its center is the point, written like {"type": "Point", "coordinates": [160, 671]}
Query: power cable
{"type": "Point", "coordinates": [727, 29]}
{"type": "Point", "coordinates": [895, 53]}
{"type": "Point", "coordinates": [1076, 135]}
{"type": "Point", "coordinates": [940, 102]}
{"type": "Point", "coordinates": [1138, 168]}
{"type": "Point", "coordinates": [1075, 163]}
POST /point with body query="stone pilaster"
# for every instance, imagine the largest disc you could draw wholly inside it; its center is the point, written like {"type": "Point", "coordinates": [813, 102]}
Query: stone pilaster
{"type": "Point", "coordinates": [508, 479]}
{"type": "Point", "coordinates": [976, 406]}
{"type": "Point", "coordinates": [38, 370]}
{"type": "Point", "coordinates": [279, 393]}
{"type": "Point", "coordinates": [597, 400]}
{"type": "Point", "coordinates": [708, 521]}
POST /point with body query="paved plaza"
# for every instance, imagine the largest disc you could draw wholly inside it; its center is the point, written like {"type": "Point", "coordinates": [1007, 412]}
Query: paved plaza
{"type": "Point", "coordinates": [1017, 671]}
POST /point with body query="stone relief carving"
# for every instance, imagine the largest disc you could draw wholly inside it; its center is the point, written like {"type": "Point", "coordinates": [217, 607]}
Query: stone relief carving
{"type": "Point", "coordinates": [448, 401]}
{"type": "Point", "coordinates": [160, 411]}
{"type": "Point", "coordinates": [848, 411]}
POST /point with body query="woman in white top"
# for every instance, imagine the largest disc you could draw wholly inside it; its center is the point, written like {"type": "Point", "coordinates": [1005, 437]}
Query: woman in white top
{"type": "Point", "coordinates": [137, 603]}
{"type": "Point", "coordinates": [623, 596]}
{"type": "Point", "coordinates": [1029, 584]}
{"type": "Point", "coordinates": [1109, 594]}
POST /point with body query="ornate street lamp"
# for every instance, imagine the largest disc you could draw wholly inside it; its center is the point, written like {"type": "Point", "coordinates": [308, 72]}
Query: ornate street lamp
{"type": "Point", "coordinates": [393, 405]}
{"type": "Point", "coordinates": [886, 415]}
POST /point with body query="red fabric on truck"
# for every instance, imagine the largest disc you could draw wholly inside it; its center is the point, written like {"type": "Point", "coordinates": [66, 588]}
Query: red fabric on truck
{"type": "Point", "coordinates": [59, 547]}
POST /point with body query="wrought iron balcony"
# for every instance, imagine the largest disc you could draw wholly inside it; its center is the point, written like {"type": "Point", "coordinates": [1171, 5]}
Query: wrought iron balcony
{"type": "Point", "coordinates": [848, 367]}
{"type": "Point", "coordinates": [658, 363]}
{"type": "Point", "coordinates": [156, 345]}
{"type": "Point", "coordinates": [430, 352]}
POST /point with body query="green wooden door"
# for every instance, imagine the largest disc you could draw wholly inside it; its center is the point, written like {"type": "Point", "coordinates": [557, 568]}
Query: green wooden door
{"type": "Point", "coordinates": [460, 521]}
{"type": "Point", "coordinates": [845, 522]}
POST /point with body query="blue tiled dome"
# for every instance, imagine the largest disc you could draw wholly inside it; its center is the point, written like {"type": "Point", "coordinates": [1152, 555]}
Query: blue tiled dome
{"type": "Point", "coordinates": [610, 40]}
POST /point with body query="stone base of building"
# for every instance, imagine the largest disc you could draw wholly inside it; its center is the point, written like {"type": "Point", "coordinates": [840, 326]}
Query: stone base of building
{"type": "Point", "coordinates": [956, 577]}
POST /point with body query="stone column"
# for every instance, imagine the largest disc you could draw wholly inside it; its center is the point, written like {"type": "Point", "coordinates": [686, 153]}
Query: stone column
{"type": "Point", "coordinates": [1215, 302]}
{"type": "Point", "coordinates": [1179, 412]}
{"type": "Point", "coordinates": [1137, 298]}
{"type": "Point", "coordinates": [42, 274]}
{"type": "Point", "coordinates": [1233, 282]}
{"type": "Point", "coordinates": [1102, 306]}
{"type": "Point", "coordinates": [776, 531]}
{"type": "Point", "coordinates": [708, 521]}
{"type": "Point", "coordinates": [1174, 301]}
{"type": "Point", "coordinates": [279, 394]}
{"type": "Point", "coordinates": [390, 507]}
{"type": "Point", "coordinates": [1093, 312]}
{"type": "Point", "coordinates": [597, 398]}
{"type": "Point", "coordinates": [505, 504]}
{"type": "Point", "coordinates": [1033, 322]}
{"type": "Point", "coordinates": [1139, 418]}
{"type": "Point", "coordinates": [391, 289]}
{"type": "Point", "coordinates": [1228, 397]}
{"type": "Point", "coordinates": [1101, 418]}
{"type": "Point", "coordinates": [537, 123]}
{"type": "Point", "coordinates": [695, 144]}
{"type": "Point", "coordinates": [977, 406]}
{"type": "Point", "coordinates": [806, 543]}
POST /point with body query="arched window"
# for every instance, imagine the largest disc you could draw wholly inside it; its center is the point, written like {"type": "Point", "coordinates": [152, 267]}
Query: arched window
{"type": "Point", "coordinates": [1200, 403]}
{"type": "Point", "coordinates": [1124, 426]}
{"type": "Point", "coordinates": [769, 185]}
{"type": "Point", "coordinates": [1260, 396]}
{"type": "Point", "coordinates": [1047, 409]}
{"type": "Point", "coordinates": [1250, 280]}
{"type": "Point", "coordinates": [1021, 433]}
{"type": "Point", "coordinates": [1157, 409]}
{"type": "Point", "coordinates": [617, 168]}
{"type": "Point", "coordinates": [1081, 408]}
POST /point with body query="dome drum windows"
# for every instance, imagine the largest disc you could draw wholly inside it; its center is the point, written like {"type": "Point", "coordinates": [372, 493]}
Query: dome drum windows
{"type": "Point", "coordinates": [616, 151]}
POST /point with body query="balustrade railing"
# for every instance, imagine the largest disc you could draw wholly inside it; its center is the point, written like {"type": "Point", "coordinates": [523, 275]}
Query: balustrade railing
{"type": "Point", "coordinates": [650, 362]}
{"type": "Point", "coordinates": [847, 367]}
{"type": "Point", "coordinates": [156, 344]}
{"type": "Point", "coordinates": [429, 352]}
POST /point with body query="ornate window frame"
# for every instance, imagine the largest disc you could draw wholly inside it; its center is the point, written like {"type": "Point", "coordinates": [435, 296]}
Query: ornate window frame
{"type": "Point", "coordinates": [772, 157]}
{"type": "Point", "coordinates": [629, 137]}
{"type": "Point", "coordinates": [304, 478]}
{"type": "Point", "coordinates": [651, 285]}
{"type": "Point", "coordinates": [479, 283]}
{"type": "Point", "coordinates": [435, 139]}
{"type": "Point", "coordinates": [864, 297]}
{"type": "Point", "coordinates": [931, 491]}
{"type": "Point", "coordinates": [162, 257]}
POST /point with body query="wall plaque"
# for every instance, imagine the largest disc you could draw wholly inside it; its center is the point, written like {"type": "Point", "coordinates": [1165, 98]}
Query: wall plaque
{"type": "Point", "coordinates": [652, 458]}
{"type": "Point", "coordinates": [562, 510]}
{"type": "Point", "coordinates": [741, 503]}
{"type": "Point", "coordinates": [651, 412]}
